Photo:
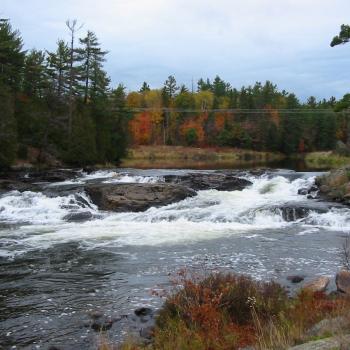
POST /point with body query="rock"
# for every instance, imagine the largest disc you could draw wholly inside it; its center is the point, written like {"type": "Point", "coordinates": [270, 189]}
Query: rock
{"type": "Point", "coordinates": [78, 216]}
{"type": "Point", "coordinates": [341, 342]}
{"type": "Point", "coordinates": [303, 191]}
{"type": "Point", "coordinates": [147, 333]}
{"type": "Point", "coordinates": [295, 278]}
{"type": "Point", "coordinates": [13, 185]}
{"type": "Point", "coordinates": [96, 314]}
{"type": "Point", "coordinates": [102, 324]}
{"type": "Point", "coordinates": [143, 311]}
{"type": "Point", "coordinates": [327, 326]}
{"type": "Point", "coordinates": [295, 211]}
{"type": "Point", "coordinates": [56, 175]}
{"type": "Point", "coordinates": [342, 280]}
{"type": "Point", "coordinates": [318, 284]}
{"type": "Point", "coordinates": [135, 196]}
{"type": "Point", "coordinates": [202, 181]}
{"type": "Point", "coordinates": [335, 185]}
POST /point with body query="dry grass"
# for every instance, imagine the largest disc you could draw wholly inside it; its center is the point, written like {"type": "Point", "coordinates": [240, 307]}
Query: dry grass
{"type": "Point", "coordinates": [182, 157]}
{"type": "Point", "coordinates": [326, 160]}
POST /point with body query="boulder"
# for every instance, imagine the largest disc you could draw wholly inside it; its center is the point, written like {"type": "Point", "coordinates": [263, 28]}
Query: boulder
{"type": "Point", "coordinates": [78, 216]}
{"type": "Point", "coordinates": [332, 343]}
{"type": "Point", "coordinates": [56, 175]}
{"type": "Point", "coordinates": [298, 210]}
{"type": "Point", "coordinates": [342, 280]}
{"type": "Point", "coordinates": [143, 311]}
{"type": "Point", "coordinates": [335, 185]}
{"type": "Point", "coordinates": [318, 284]}
{"type": "Point", "coordinates": [328, 325]}
{"type": "Point", "coordinates": [207, 181]}
{"type": "Point", "coordinates": [13, 185]}
{"type": "Point", "coordinates": [295, 278]}
{"type": "Point", "coordinates": [135, 196]}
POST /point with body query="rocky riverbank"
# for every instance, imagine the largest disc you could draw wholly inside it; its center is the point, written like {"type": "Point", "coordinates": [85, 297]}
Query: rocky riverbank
{"type": "Point", "coordinates": [335, 185]}
{"type": "Point", "coordinates": [253, 315]}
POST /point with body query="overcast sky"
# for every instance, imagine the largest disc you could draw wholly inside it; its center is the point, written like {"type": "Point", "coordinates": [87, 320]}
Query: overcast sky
{"type": "Point", "coordinates": [243, 41]}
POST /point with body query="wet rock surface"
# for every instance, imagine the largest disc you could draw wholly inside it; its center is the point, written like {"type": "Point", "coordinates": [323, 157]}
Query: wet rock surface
{"type": "Point", "coordinates": [217, 181]}
{"type": "Point", "coordinates": [136, 197]}
{"type": "Point", "coordinates": [295, 278]}
{"type": "Point", "coordinates": [296, 211]}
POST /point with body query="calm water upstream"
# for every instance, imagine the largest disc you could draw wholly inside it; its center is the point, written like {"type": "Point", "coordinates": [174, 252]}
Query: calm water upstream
{"type": "Point", "coordinates": [53, 273]}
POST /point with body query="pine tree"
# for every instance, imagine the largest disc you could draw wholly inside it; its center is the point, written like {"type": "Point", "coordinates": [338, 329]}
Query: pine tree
{"type": "Point", "coordinates": [59, 68]}
{"type": "Point", "coordinates": [92, 57]}
{"type": "Point", "coordinates": [145, 87]}
{"type": "Point", "coordinates": [11, 56]}
{"type": "Point", "coordinates": [35, 73]}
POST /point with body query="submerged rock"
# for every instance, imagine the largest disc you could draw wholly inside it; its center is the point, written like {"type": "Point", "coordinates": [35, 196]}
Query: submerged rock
{"type": "Point", "coordinates": [136, 197]}
{"type": "Point", "coordinates": [143, 311]}
{"type": "Point", "coordinates": [295, 278]}
{"type": "Point", "coordinates": [217, 181]}
{"type": "Point", "coordinates": [342, 280]}
{"type": "Point", "coordinates": [78, 216]}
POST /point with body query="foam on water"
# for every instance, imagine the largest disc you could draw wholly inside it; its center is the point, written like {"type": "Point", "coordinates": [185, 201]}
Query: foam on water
{"type": "Point", "coordinates": [37, 208]}
{"type": "Point", "coordinates": [209, 215]}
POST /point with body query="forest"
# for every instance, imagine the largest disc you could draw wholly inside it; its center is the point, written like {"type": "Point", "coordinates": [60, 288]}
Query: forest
{"type": "Point", "coordinates": [60, 105]}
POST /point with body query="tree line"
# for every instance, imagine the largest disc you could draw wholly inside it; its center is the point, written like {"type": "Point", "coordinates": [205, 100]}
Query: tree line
{"type": "Point", "coordinates": [259, 117]}
{"type": "Point", "coordinates": [60, 105]}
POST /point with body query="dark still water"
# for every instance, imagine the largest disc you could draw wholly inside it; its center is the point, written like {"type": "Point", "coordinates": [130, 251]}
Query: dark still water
{"type": "Point", "coordinates": [56, 274]}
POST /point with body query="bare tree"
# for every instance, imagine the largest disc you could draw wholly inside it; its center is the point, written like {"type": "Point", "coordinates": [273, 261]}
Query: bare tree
{"type": "Point", "coordinates": [73, 28]}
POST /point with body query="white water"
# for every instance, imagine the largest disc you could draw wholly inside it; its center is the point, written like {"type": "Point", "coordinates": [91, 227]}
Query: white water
{"type": "Point", "coordinates": [209, 215]}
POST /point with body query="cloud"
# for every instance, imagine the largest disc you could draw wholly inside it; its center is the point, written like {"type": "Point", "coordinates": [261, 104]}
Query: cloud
{"type": "Point", "coordinates": [242, 40]}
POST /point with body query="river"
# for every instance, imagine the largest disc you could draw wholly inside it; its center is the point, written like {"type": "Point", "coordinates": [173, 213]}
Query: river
{"type": "Point", "coordinates": [55, 273]}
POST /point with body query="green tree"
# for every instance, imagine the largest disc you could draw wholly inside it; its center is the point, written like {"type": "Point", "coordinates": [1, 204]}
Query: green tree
{"type": "Point", "coordinates": [8, 131]}
{"type": "Point", "coordinates": [11, 56]}
{"type": "Point", "coordinates": [145, 87]}
{"type": "Point", "coordinates": [35, 80]}
{"type": "Point", "coordinates": [59, 67]}
{"type": "Point", "coordinates": [170, 87]}
{"type": "Point", "coordinates": [343, 37]}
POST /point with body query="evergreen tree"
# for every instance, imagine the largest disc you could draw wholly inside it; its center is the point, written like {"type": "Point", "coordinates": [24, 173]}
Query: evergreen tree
{"type": "Point", "coordinates": [145, 87]}
{"type": "Point", "coordinates": [59, 68]}
{"type": "Point", "coordinates": [170, 87]}
{"type": "Point", "coordinates": [35, 80]}
{"type": "Point", "coordinates": [343, 37]}
{"type": "Point", "coordinates": [91, 74]}
{"type": "Point", "coordinates": [11, 56]}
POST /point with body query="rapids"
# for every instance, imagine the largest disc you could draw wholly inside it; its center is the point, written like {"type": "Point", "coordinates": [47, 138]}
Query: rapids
{"type": "Point", "coordinates": [54, 272]}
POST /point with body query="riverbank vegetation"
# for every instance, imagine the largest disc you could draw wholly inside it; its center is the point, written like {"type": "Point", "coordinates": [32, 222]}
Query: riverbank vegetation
{"type": "Point", "coordinates": [59, 107]}
{"type": "Point", "coordinates": [225, 311]}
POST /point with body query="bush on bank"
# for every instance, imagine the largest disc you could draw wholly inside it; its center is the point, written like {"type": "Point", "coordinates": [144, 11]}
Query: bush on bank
{"type": "Point", "coordinates": [228, 312]}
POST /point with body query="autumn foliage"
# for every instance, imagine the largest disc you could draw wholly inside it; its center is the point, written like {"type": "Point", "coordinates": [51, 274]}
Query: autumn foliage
{"type": "Point", "coordinates": [228, 312]}
{"type": "Point", "coordinates": [259, 118]}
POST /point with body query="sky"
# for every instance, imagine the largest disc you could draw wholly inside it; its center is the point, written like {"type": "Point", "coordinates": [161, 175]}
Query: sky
{"type": "Point", "coordinates": [242, 41]}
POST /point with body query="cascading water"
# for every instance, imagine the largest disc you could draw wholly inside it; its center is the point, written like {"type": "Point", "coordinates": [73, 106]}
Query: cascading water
{"type": "Point", "coordinates": [63, 269]}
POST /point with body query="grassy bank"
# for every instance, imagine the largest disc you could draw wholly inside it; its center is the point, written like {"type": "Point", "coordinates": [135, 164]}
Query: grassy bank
{"type": "Point", "coordinates": [226, 311]}
{"type": "Point", "coordinates": [190, 157]}
{"type": "Point", "coordinates": [325, 160]}
{"type": "Point", "coordinates": [207, 158]}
